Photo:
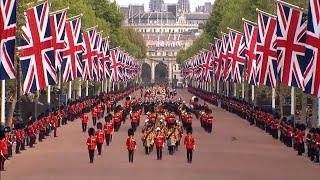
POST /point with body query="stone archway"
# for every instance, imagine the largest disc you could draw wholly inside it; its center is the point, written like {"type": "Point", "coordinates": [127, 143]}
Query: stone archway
{"type": "Point", "coordinates": [161, 73]}
{"type": "Point", "coordinates": [146, 73]}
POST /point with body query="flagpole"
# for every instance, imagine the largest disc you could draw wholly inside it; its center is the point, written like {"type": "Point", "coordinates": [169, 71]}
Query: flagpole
{"type": "Point", "coordinates": [218, 87]}
{"type": "Point", "coordinates": [235, 89]}
{"type": "Point", "coordinates": [252, 93]}
{"type": "Point", "coordinates": [292, 101]}
{"type": "Point", "coordinates": [273, 98]}
{"type": "Point", "coordinates": [87, 88]}
{"type": "Point", "coordinates": [242, 90]}
{"type": "Point", "coordinates": [3, 102]}
{"type": "Point", "coordinates": [69, 89]}
{"type": "Point", "coordinates": [49, 96]}
{"type": "Point", "coordinates": [80, 87]}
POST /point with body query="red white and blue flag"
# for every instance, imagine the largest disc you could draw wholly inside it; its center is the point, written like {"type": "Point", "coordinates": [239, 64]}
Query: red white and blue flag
{"type": "Point", "coordinates": [58, 29]}
{"type": "Point", "coordinates": [266, 50]}
{"type": "Point", "coordinates": [106, 58]}
{"type": "Point", "coordinates": [291, 37]}
{"type": "Point", "coordinates": [208, 67]}
{"type": "Point", "coordinates": [236, 55]}
{"type": "Point", "coordinates": [100, 58]}
{"type": "Point", "coordinates": [115, 65]}
{"type": "Point", "coordinates": [219, 63]}
{"type": "Point", "coordinates": [36, 51]}
{"type": "Point", "coordinates": [7, 38]}
{"type": "Point", "coordinates": [89, 58]}
{"type": "Point", "coordinates": [72, 54]}
{"type": "Point", "coordinates": [224, 57]}
{"type": "Point", "coordinates": [312, 73]}
{"type": "Point", "coordinates": [251, 34]}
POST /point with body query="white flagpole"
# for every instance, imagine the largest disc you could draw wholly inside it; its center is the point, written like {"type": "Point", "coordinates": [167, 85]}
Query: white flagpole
{"type": "Point", "coordinates": [218, 87]}
{"type": "Point", "coordinates": [49, 95]}
{"type": "Point", "coordinates": [87, 88]}
{"type": "Point", "coordinates": [79, 90]}
{"type": "Point", "coordinates": [235, 89]}
{"type": "Point", "coordinates": [69, 90]}
{"type": "Point", "coordinates": [3, 101]}
{"type": "Point", "coordinates": [292, 101]}
{"type": "Point", "coordinates": [242, 90]}
{"type": "Point", "coordinates": [252, 93]}
{"type": "Point", "coordinates": [273, 98]}
{"type": "Point", "coordinates": [105, 86]}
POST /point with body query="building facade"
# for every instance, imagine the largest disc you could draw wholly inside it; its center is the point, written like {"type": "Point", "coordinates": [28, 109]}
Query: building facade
{"type": "Point", "coordinates": [165, 34]}
{"type": "Point", "coordinates": [156, 5]}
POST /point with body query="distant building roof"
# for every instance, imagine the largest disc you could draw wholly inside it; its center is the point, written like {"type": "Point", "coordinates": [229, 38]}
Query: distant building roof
{"type": "Point", "coordinates": [197, 16]}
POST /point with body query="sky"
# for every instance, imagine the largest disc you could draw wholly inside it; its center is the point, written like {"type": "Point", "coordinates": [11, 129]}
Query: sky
{"type": "Point", "coordinates": [193, 3]}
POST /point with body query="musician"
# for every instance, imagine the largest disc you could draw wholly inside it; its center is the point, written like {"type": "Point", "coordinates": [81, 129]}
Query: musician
{"type": "Point", "coordinates": [108, 129]}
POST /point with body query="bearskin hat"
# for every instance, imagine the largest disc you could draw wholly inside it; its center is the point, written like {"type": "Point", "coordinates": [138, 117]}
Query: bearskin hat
{"type": "Point", "coordinates": [99, 125]}
{"type": "Point", "coordinates": [91, 131]}
{"type": "Point", "coordinates": [1, 132]}
{"type": "Point", "coordinates": [189, 130]}
{"type": "Point", "coordinates": [130, 132]}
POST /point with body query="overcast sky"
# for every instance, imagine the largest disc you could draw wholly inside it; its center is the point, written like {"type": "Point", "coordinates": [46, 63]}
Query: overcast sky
{"type": "Point", "coordinates": [193, 3]}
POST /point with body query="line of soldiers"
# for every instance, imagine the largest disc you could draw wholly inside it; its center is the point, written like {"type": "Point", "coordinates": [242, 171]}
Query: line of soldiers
{"type": "Point", "coordinates": [27, 133]}
{"type": "Point", "coordinates": [290, 134]}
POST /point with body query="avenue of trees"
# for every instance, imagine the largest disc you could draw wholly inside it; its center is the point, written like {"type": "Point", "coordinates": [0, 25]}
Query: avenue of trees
{"type": "Point", "coordinates": [103, 13]}
{"type": "Point", "coordinates": [229, 13]}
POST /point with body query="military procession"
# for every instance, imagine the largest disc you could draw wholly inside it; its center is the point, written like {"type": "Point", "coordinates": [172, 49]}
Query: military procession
{"type": "Point", "coordinates": [76, 101]}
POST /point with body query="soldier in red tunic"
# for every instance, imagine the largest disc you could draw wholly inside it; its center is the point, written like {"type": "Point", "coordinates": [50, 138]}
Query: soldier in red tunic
{"type": "Point", "coordinates": [108, 129]}
{"type": "Point", "coordinates": [55, 123]}
{"type": "Point", "coordinates": [19, 137]}
{"type": "Point", "coordinates": [91, 143]}
{"type": "Point", "coordinates": [3, 149]}
{"type": "Point", "coordinates": [160, 142]}
{"type": "Point", "coordinates": [99, 137]}
{"type": "Point", "coordinates": [94, 113]}
{"type": "Point", "coordinates": [85, 119]}
{"type": "Point", "coordinates": [189, 144]}
{"type": "Point", "coordinates": [131, 144]}
{"type": "Point", "coordinates": [32, 135]}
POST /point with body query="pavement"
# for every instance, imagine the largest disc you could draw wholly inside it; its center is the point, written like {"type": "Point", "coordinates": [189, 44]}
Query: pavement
{"type": "Point", "coordinates": [235, 150]}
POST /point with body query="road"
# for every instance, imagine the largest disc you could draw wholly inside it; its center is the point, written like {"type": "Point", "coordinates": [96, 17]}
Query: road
{"type": "Point", "coordinates": [235, 150]}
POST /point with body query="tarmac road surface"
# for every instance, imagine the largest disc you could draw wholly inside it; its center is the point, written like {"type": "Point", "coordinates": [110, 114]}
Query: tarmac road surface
{"type": "Point", "coordinates": [235, 150]}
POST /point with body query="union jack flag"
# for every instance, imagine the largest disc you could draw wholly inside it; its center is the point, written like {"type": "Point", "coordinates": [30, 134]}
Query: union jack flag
{"type": "Point", "coordinates": [106, 58]}
{"type": "Point", "coordinates": [115, 65]}
{"type": "Point", "coordinates": [291, 37]}
{"type": "Point", "coordinates": [98, 63]}
{"type": "Point", "coordinates": [89, 58]}
{"type": "Point", "coordinates": [224, 56]}
{"type": "Point", "coordinates": [219, 63]}
{"type": "Point", "coordinates": [266, 50]}
{"type": "Point", "coordinates": [58, 29]}
{"type": "Point", "coordinates": [7, 38]}
{"type": "Point", "coordinates": [250, 34]}
{"type": "Point", "coordinates": [236, 55]}
{"type": "Point", "coordinates": [207, 67]}
{"type": "Point", "coordinates": [312, 73]}
{"type": "Point", "coordinates": [72, 55]}
{"type": "Point", "coordinates": [36, 52]}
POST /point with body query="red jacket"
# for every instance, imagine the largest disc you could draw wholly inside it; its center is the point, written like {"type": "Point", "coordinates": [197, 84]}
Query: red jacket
{"type": "Point", "coordinates": [131, 143]}
{"type": "Point", "coordinates": [3, 147]}
{"type": "Point", "coordinates": [100, 136]}
{"type": "Point", "coordinates": [31, 131]}
{"type": "Point", "coordinates": [108, 128]}
{"type": "Point", "coordinates": [189, 142]}
{"type": "Point", "coordinates": [18, 135]}
{"type": "Point", "coordinates": [85, 118]}
{"type": "Point", "coordinates": [55, 121]}
{"type": "Point", "coordinates": [159, 140]}
{"type": "Point", "coordinates": [94, 112]}
{"type": "Point", "coordinates": [92, 143]}
{"type": "Point", "coordinates": [41, 125]}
